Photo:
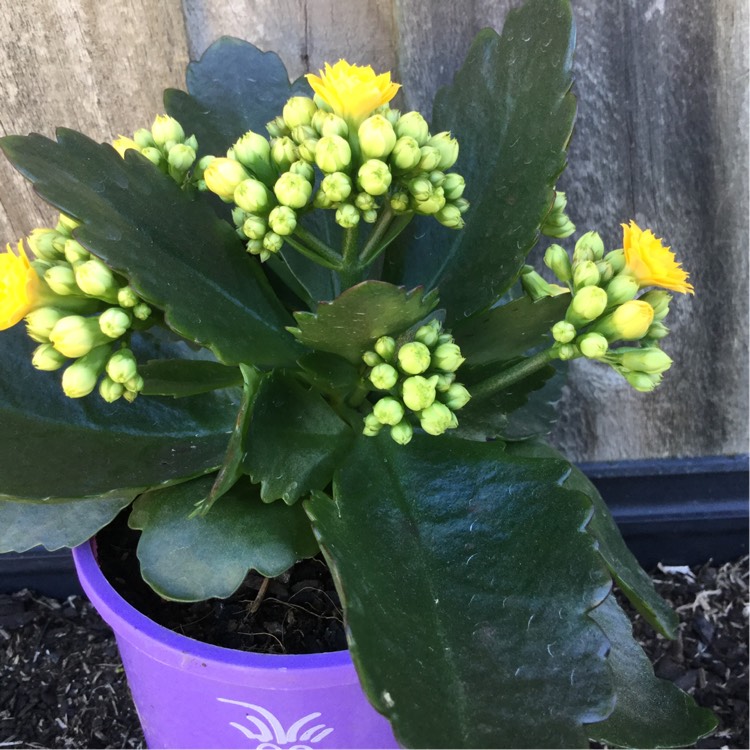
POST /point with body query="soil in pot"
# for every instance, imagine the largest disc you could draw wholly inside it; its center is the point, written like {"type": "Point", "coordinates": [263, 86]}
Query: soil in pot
{"type": "Point", "coordinates": [298, 612]}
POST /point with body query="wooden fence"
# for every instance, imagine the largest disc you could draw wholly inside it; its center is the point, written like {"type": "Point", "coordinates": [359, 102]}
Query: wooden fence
{"type": "Point", "coordinates": [662, 137]}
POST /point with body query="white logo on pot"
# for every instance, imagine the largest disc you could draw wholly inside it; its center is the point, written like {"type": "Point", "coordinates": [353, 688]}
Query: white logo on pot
{"type": "Point", "coordinates": [269, 729]}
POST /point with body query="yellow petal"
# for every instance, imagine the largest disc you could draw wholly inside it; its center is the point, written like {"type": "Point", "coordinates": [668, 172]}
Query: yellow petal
{"type": "Point", "coordinates": [19, 286]}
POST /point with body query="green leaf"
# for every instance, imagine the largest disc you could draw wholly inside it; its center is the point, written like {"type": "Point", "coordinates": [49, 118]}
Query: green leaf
{"type": "Point", "coordinates": [509, 331]}
{"type": "Point", "coordinates": [330, 374]}
{"type": "Point", "coordinates": [350, 324]}
{"type": "Point", "coordinates": [177, 254]}
{"type": "Point", "coordinates": [190, 559]}
{"type": "Point", "coordinates": [184, 377]}
{"type": "Point", "coordinates": [52, 446]}
{"type": "Point", "coordinates": [511, 109]}
{"type": "Point", "coordinates": [466, 578]}
{"type": "Point", "coordinates": [295, 440]}
{"type": "Point", "coordinates": [649, 712]}
{"type": "Point", "coordinates": [630, 577]}
{"type": "Point", "coordinates": [66, 523]}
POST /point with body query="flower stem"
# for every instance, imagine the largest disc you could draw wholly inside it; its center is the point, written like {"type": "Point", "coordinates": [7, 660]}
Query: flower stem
{"type": "Point", "coordinates": [371, 249]}
{"type": "Point", "coordinates": [302, 248]}
{"type": "Point", "coordinates": [351, 270]}
{"type": "Point", "coordinates": [317, 247]}
{"type": "Point", "coordinates": [513, 374]}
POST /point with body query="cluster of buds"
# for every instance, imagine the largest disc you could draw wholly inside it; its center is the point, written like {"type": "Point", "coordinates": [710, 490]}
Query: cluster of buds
{"type": "Point", "coordinates": [605, 309]}
{"type": "Point", "coordinates": [419, 378]}
{"type": "Point", "coordinates": [557, 223]}
{"type": "Point", "coordinates": [88, 310]}
{"type": "Point", "coordinates": [164, 145]}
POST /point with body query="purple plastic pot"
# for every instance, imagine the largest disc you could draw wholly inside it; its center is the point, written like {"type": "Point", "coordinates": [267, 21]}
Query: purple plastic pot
{"type": "Point", "coordinates": [190, 694]}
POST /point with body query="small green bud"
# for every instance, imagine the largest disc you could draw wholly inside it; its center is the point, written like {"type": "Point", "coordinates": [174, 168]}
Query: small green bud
{"type": "Point", "coordinates": [143, 138]}
{"type": "Point", "coordinates": [321, 200]}
{"type": "Point", "coordinates": [371, 359]}
{"type": "Point", "coordinates": [365, 202]}
{"type": "Point", "coordinates": [456, 397]}
{"type": "Point", "coordinates": [413, 125]}
{"type": "Point", "coordinates": [292, 190]}
{"type": "Point", "coordinates": [47, 358]}
{"type": "Point", "coordinates": [445, 381]}
{"type": "Point", "coordinates": [657, 331]}
{"type": "Point", "coordinates": [255, 247]}
{"type": "Point", "coordinates": [283, 220]}
{"type": "Point", "coordinates": [402, 432]}
{"type": "Point", "coordinates": [192, 141]}
{"type": "Point", "coordinates": [622, 288]}
{"type": "Point", "coordinates": [306, 152]}
{"type": "Point", "coordinates": [557, 260]}
{"type": "Point", "coordinates": [462, 204]}
{"type": "Point", "coordinates": [201, 165]}
{"type": "Point", "coordinates": [254, 227]}
{"type": "Point", "coordinates": [122, 366]}
{"type": "Point", "coordinates": [41, 243]}
{"type": "Point", "coordinates": [66, 224]}
{"type": "Point", "coordinates": [587, 305]}
{"type": "Point", "coordinates": [436, 419]}
{"type": "Point", "coordinates": [585, 274]}
{"type": "Point", "coordinates": [421, 188]}
{"type": "Point", "coordinates": [337, 186]}
{"type": "Point", "coordinates": [405, 155]}
{"type": "Point", "coordinates": [126, 297]}
{"type": "Point", "coordinates": [376, 137]}
{"type": "Point", "coordinates": [384, 377]}
{"type": "Point", "coordinates": [388, 411]}
{"type": "Point", "coordinates": [651, 360]}
{"type": "Point", "coordinates": [299, 110]}
{"type": "Point", "coordinates": [153, 155]}
{"type": "Point", "coordinates": [563, 332]}
{"type": "Point", "coordinates": [130, 396]}
{"type": "Point", "coordinates": [303, 169]}
{"type": "Point", "coordinates": [374, 177]}
{"type": "Point", "coordinates": [642, 381]}
{"type": "Point", "coordinates": [272, 242]}
{"type": "Point", "coordinates": [447, 357]}
{"type": "Point", "coordinates": [418, 392]}
{"type": "Point", "coordinates": [385, 346]}
{"type": "Point", "coordinates": [372, 425]}
{"type": "Point", "coordinates": [277, 127]}
{"type": "Point", "coordinates": [616, 259]}
{"type": "Point", "coordinates": [80, 378]}
{"type": "Point", "coordinates": [75, 252]}
{"type": "Point", "coordinates": [135, 384]}
{"type": "Point", "coordinates": [96, 280]}
{"type": "Point", "coordinates": [370, 217]}
{"type": "Point", "coordinates": [347, 216]}
{"type": "Point", "coordinates": [449, 216]}
{"type": "Point", "coordinates": [166, 129]}
{"type": "Point", "coordinates": [74, 336]}
{"type": "Point", "coordinates": [447, 147]}
{"type": "Point", "coordinates": [109, 390]}
{"type": "Point", "coordinates": [429, 158]}
{"type": "Point", "coordinates": [431, 205]}
{"type": "Point", "coordinates": [61, 280]}
{"type": "Point", "coordinates": [427, 335]}
{"type": "Point", "coordinates": [326, 123]}
{"type": "Point", "coordinates": [141, 311]}
{"type": "Point", "coordinates": [400, 202]}
{"type": "Point", "coordinates": [303, 133]}
{"type": "Point", "coordinates": [588, 247]}
{"type": "Point", "coordinates": [453, 186]}
{"type": "Point", "coordinates": [333, 154]}
{"type": "Point", "coordinates": [659, 301]}
{"type": "Point", "coordinates": [40, 322]}
{"type": "Point", "coordinates": [537, 287]}
{"type": "Point", "coordinates": [414, 358]}
{"type": "Point", "coordinates": [222, 177]}
{"type": "Point", "coordinates": [593, 345]}
{"type": "Point", "coordinates": [568, 351]}
{"type": "Point", "coordinates": [284, 152]}
{"type": "Point", "coordinates": [181, 157]}
{"type": "Point", "coordinates": [114, 322]}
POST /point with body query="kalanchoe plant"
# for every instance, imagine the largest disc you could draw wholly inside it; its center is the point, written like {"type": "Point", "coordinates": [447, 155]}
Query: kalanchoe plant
{"type": "Point", "coordinates": [311, 316]}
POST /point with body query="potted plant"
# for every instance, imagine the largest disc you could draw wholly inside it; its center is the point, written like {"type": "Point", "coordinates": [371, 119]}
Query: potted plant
{"type": "Point", "coordinates": [292, 319]}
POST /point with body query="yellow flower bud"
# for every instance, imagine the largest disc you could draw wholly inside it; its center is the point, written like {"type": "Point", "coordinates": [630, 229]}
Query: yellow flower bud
{"type": "Point", "coordinates": [292, 190]}
{"type": "Point", "coordinates": [109, 390]}
{"type": "Point", "coordinates": [650, 360]}
{"type": "Point", "coordinates": [333, 154]}
{"type": "Point", "coordinates": [166, 129]}
{"type": "Point", "coordinates": [47, 358]}
{"type": "Point", "coordinates": [222, 177]}
{"type": "Point", "coordinates": [593, 345]}
{"type": "Point", "coordinates": [253, 196]}
{"type": "Point", "coordinates": [629, 322]}
{"type": "Point", "coordinates": [414, 358]}
{"type": "Point", "coordinates": [96, 280]}
{"type": "Point", "coordinates": [418, 392]}
{"type": "Point", "coordinates": [412, 124]}
{"type": "Point", "coordinates": [388, 411]}
{"type": "Point", "coordinates": [80, 378]}
{"type": "Point", "coordinates": [385, 346]}
{"type": "Point", "coordinates": [436, 419]}
{"type": "Point", "coordinates": [122, 366]}
{"type": "Point", "coordinates": [376, 137]}
{"type": "Point", "coordinates": [40, 322]}
{"type": "Point", "coordinates": [299, 110]}
{"type": "Point", "coordinates": [75, 336]}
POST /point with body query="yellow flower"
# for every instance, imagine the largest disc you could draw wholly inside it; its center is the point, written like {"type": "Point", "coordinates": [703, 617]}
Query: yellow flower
{"type": "Point", "coordinates": [20, 286]}
{"type": "Point", "coordinates": [352, 91]}
{"type": "Point", "coordinates": [650, 262]}
{"type": "Point", "coordinates": [122, 144]}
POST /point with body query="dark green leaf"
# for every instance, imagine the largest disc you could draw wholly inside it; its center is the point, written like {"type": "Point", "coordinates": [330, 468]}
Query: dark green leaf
{"type": "Point", "coordinates": [174, 250]}
{"type": "Point", "coordinates": [183, 377]}
{"type": "Point", "coordinates": [330, 374]}
{"type": "Point", "coordinates": [509, 331]}
{"type": "Point", "coordinates": [512, 112]}
{"type": "Point", "coordinates": [350, 324]}
{"type": "Point", "coordinates": [66, 523]}
{"type": "Point", "coordinates": [190, 559]}
{"type": "Point", "coordinates": [53, 446]}
{"type": "Point", "coordinates": [649, 712]}
{"type": "Point", "coordinates": [466, 578]}
{"type": "Point", "coordinates": [630, 577]}
{"type": "Point", "coordinates": [295, 440]}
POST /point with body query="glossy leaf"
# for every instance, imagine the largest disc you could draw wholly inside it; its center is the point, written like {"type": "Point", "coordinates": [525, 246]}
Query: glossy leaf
{"type": "Point", "coordinates": [174, 250]}
{"type": "Point", "coordinates": [350, 324]}
{"type": "Point", "coordinates": [466, 577]}
{"type": "Point", "coordinates": [295, 440]}
{"type": "Point", "coordinates": [190, 559]}
{"type": "Point", "coordinates": [625, 569]}
{"type": "Point", "coordinates": [511, 109]}
{"type": "Point", "coordinates": [649, 712]}
{"type": "Point", "coordinates": [330, 374]}
{"type": "Point", "coordinates": [185, 377]}
{"type": "Point", "coordinates": [52, 446]}
{"type": "Point", "coordinates": [66, 523]}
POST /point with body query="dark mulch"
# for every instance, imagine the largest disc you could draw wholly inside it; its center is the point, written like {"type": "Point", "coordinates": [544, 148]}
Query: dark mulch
{"type": "Point", "coordinates": [61, 683]}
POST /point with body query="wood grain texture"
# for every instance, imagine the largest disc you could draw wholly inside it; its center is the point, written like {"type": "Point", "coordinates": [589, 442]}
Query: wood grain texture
{"type": "Point", "coordinates": [96, 66]}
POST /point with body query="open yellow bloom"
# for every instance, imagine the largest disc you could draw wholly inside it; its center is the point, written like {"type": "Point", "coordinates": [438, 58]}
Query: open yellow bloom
{"type": "Point", "coordinates": [352, 91]}
{"type": "Point", "coordinates": [650, 262]}
{"type": "Point", "coordinates": [20, 286]}
{"type": "Point", "coordinates": [123, 143]}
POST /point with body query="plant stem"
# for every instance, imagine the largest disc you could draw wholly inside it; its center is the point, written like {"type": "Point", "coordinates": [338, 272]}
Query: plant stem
{"type": "Point", "coordinates": [351, 271]}
{"type": "Point", "coordinates": [513, 374]}
{"type": "Point", "coordinates": [370, 250]}
{"type": "Point", "coordinates": [319, 248]}
{"type": "Point", "coordinates": [313, 255]}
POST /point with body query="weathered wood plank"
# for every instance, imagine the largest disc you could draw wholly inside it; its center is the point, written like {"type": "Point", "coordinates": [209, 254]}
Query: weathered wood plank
{"type": "Point", "coordinates": [99, 67]}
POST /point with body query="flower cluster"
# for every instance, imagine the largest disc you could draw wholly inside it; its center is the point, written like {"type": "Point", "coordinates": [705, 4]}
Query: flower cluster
{"type": "Point", "coordinates": [606, 307]}
{"type": "Point", "coordinates": [419, 376]}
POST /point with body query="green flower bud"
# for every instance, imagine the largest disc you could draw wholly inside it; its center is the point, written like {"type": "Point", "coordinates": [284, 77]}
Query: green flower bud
{"type": "Point", "coordinates": [405, 155]}
{"type": "Point", "coordinates": [321, 200]}
{"type": "Point", "coordinates": [436, 419]}
{"type": "Point", "coordinates": [47, 358]}
{"type": "Point", "coordinates": [272, 242]}
{"type": "Point", "coordinates": [114, 322]}
{"type": "Point", "coordinates": [74, 336]}
{"type": "Point", "coordinates": [622, 288]}
{"type": "Point", "coordinates": [61, 280]}
{"type": "Point", "coordinates": [332, 154]}
{"type": "Point", "coordinates": [303, 133]}
{"type": "Point", "coordinates": [447, 357]}
{"type": "Point", "coordinates": [284, 152]}
{"type": "Point", "coordinates": [428, 335]}
{"type": "Point", "coordinates": [593, 345]}
{"type": "Point", "coordinates": [129, 396]}
{"type": "Point", "coordinates": [445, 381]}
{"type": "Point", "coordinates": [255, 247]}
{"type": "Point", "coordinates": [141, 311]}
{"type": "Point", "coordinates": [421, 188]}
{"type": "Point", "coordinates": [587, 305]}
{"type": "Point", "coordinates": [447, 146]}
{"type": "Point", "coordinates": [201, 165]}
{"type": "Point", "coordinates": [557, 260]}
{"type": "Point", "coordinates": [568, 351]}
{"type": "Point", "coordinates": [642, 381]}
{"type": "Point", "coordinates": [347, 216]}
{"type": "Point", "coordinates": [413, 125]}
{"type": "Point", "coordinates": [414, 358]}
{"type": "Point", "coordinates": [254, 227]}
{"type": "Point", "coordinates": [80, 378]}
{"type": "Point", "coordinates": [400, 202]}
{"type": "Point", "coordinates": [337, 186]}
{"type": "Point", "coordinates": [96, 280]}
{"type": "Point", "coordinates": [299, 110]}
{"type": "Point", "coordinates": [559, 230]}
{"type": "Point", "coordinates": [589, 247]}
{"type": "Point", "coordinates": [109, 390]}
{"type": "Point", "coordinates": [333, 125]}
{"type": "Point", "coordinates": [656, 331]}
{"type": "Point", "coordinates": [453, 186]}
{"type": "Point", "coordinates": [651, 360]}
{"type": "Point", "coordinates": [629, 322]}
{"type": "Point", "coordinates": [122, 366]}
{"type": "Point", "coordinates": [365, 202]}
{"type": "Point", "coordinates": [402, 432]}
{"type": "Point", "coordinates": [563, 332]}
{"type": "Point", "coordinates": [303, 169]}
{"type": "Point", "coordinates": [153, 155]}
{"type": "Point", "coordinates": [418, 392]}
{"type": "Point", "coordinates": [370, 217]}
{"type": "Point", "coordinates": [429, 158]}
{"type": "Point", "coordinates": [456, 397]}
{"type": "Point", "coordinates": [385, 346]}
{"type": "Point", "coordinates": [181, 157]}
{"type": "Point", "coordinates": [372, 425]}
{"type": "Point", "coordinates": [192, 141]}
{"type": "Point", "coordinates": [376, 137]}
{"type": "Point", "coordinates": [40, 322]}
{"type": "Point", "coordinates": [135, 384]}
{"type": "Point", "coordinates": [222, 177]}
{"type": "Point", "coordinates": [585, 274]}
{"type": "Point", "coordinates": [75, 252]}
{"type": "Point", "coordinates": [374, 177]}
{"type": "Point", "coordinates": [461, 204]}
{"type": "Point", "coordinates": [437, 178]}
{"type": "Point", "coordinates": [431, 205]}
{"type": "Point", "coordinates": [282, 220]}
{"type": "Point", "coordinates": [659, 301]}
{"type": "Point", "coordinates": [41, 243]}
{"type": "Point", "coordinates": [126, 297]}
{"type": "Point", "coordinates": [66, 224]}
{"type": "Point", "coordinates": [388, 411]}
{"type": "Point", "coordinates": [143, 138]}
{"type": "Point", "coordinates": [537, 287]}
{"type": "Point", "coordinates": [384, 377]}
{"type": "Point", "coordinates": [166, 129]}
{"type": "Point", "coordinates": [277, 127]}
{"type": "Point", "coordinates": [371, 359]}
{"type": "Point", "coordinates": [292, 190]}
{"type": "Point", "coordinates": [306, 152]}
{"type": "Point", "coordinates": [616, 259]}
{"type": "Point", "coordinates": [449, 216]}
